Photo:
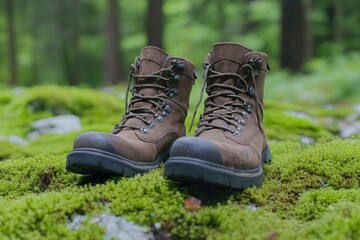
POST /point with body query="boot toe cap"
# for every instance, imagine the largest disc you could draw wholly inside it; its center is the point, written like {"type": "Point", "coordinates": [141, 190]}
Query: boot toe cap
{"type": "Point", "coordinates": [96, 140]}
{"type": "Point", "coordinates": [195, 147]}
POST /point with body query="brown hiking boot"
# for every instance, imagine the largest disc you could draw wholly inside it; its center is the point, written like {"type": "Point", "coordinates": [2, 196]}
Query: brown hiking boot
{"type": "Point", "coordinates": [154, 120]}
{"type": "Point", "coordinates": [230, 143]}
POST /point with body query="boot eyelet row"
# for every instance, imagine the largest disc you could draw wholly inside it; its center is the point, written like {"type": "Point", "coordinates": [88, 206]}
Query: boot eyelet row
{"type": "Point", "coordinates": [151, 125]}
{"type": "Point", "coordinates": [248, 107]}
{"type": "Point", "coordinates": [235, 132]}
{"type": "Point", "coordinates": [166, 109]}
{"type": "Point", "coordinates": [174, 77]}
{"type": "Point", "coordinates": [240, 129]}
{"type": "Point", "coordinates": [240, 121]}
{"type": "Point", "coordinates": [171, 92]}
{"type": "Point", "coordinates": [143, 130]}
{"type": "Point", "coordinates": [133, 90]}
{"type": "Point", "coordinates": [205, 64]}
{"type": "Point", "coordinates": [158, 118]}
{"type": "Point", "coordinates": [250, 91]}
{"type": "Point", "coordinates": [201, 117]}
{"type": "Point", "coordinates": [244, 115]}
{"type": "Point", "coordinates": [255, 62]}
{"type": "Point", "coordinates": [178, 64]}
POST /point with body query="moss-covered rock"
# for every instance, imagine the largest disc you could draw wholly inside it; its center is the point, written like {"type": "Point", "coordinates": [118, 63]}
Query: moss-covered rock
{"type": "Point", "coordinates": [26, 105]}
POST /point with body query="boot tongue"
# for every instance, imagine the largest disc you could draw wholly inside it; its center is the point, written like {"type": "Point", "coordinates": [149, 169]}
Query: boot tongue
{"type": "Point", "coordinates": [152, 59]}
{"type": "Point", "coordinates": [226, 58]}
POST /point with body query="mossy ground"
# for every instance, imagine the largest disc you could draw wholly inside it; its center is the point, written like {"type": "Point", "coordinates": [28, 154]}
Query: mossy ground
{"type": "Point", "coordinates": [309, 191]}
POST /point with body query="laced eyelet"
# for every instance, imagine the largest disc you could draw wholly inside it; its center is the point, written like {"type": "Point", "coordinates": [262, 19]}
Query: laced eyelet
{"type": "Point", "coordinates": [158, 118]}
{"type": "Point", "coordinates": [240, 120]}
{"type": "Point", "coordinates": [171, 92]}
{"type": "Point", "coordinates": [235, 132]}
{"type": "Point", "coordinates": [174, 77]}
{"type": "Point", "coordinates": [143, 130]}
{"type": "Point", "coordinates": [255, 62]}
{"type": "Point", "coordinates": [178, 64]}
{"type": "Point", "coordinates": [205, 64]}
{"type": "Point", "coordinates": [166, 109]}
{"type": "Point", "coordinates": [244, 115]}
{"type": "Point", "coordinates": [151, 125]}
{"type": "Point", "coordinates": [201, 117]}
{"type": "Point", "coordinates": [247, 107]}
{"type": "Point", "coordinates": [133, 90]}
{"type": "Point", "coordinates": [250, 91]}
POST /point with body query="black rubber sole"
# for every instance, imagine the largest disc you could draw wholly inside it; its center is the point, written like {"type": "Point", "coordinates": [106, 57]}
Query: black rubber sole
{"type": "Point", "coordinates": [95, 161]}
{"type": "Point", "coordinates": [198, 170]}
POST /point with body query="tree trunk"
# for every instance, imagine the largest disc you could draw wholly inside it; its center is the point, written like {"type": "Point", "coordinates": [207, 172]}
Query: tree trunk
{"type": "Point", "coordinates": [112, 64]}
{"type": "Point", "coordinates": [221, 15]}
{"type": "Point", "coordinates": [293, 35]}
{"type": "Point", "coordinates": [11, 43]}
{"type": "Point", "coordinates": [75, 68]}
{"type": "Point", "coordinates": [335, 16]}
{"type": "Point", "coordinates": [155, 23]}
{"type": "Point", "coordinates": [248, 25]}
{"type": "Point", "coordinates": [309, 34]}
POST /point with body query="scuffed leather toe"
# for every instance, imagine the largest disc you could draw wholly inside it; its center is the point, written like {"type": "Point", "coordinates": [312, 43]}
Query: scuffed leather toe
{"type": "Point", "coordinates": [97, 140]}
{"type": "Point", "coordinates": [194, 147]}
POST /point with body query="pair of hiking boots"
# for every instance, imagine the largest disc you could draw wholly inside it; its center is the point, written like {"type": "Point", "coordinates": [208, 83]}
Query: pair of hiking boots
{"type": "Point", "coordinates": [229, 145]}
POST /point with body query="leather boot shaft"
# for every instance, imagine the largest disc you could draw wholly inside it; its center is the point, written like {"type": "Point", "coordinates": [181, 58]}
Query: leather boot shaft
{"type": "Point", "coordinates": [153, 120]}
{"type": "Point", "coordinates": [230, 143]}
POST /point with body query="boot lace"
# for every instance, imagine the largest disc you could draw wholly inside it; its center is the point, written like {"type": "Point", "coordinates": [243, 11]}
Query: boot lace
{"type": "Point", "coordinates": [236, 111]}
{"type": "Point", "coordinates": [160, 108]}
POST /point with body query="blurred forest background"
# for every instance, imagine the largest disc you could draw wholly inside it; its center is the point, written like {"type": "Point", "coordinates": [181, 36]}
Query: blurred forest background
{"type": "Point", "coordinates": [92, 43]}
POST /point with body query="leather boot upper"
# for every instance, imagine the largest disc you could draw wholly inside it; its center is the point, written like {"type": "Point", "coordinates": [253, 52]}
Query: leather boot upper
{"type": "Point", "coordinates": [233, 112]}
{"type": "Point", "coordinates": [156, 112]}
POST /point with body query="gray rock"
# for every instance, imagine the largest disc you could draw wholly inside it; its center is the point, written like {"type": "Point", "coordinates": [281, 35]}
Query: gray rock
{"type": "Point", "coordinates": [14, 139]}
{"type": "Point", "coordinates": [59, 125]}
{"type": "Point", "coordinates": [307, 140]}
{"type": "Point", "coordinates": [301, 115]}
{"type": "Point", "coordinates": [251, 207]}
{"type": "Point", "coordinates": [350, 125]}
{"type": "Point", "coordinates": [18, 140]}
{"type": "Point", "coordinates": [115, 227]}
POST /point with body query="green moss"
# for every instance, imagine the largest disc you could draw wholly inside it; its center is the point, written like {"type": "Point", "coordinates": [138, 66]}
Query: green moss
{"type": "Point", "coordinates": [313, 204]}
{"type": "Point", "coordinates": [12, 150]}
{"type": "Point", "coordinates": [292, 202]}
{"type": "Point", "coordinates": [45, 217]}
{"type": "Point", "coordinates": [280, 125]}
{"type": "Point", "coordinates": [342, 222]}
{"type": "Point", "coordinates": [38, 102]}
{"type": "Point", "coordinates": [309, 191]}
{"type": "Point", "coordinates": [34, 175]}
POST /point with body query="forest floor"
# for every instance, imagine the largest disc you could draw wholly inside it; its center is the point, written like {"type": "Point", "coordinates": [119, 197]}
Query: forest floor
{"type": "Point", "coordinates": [310, 189]}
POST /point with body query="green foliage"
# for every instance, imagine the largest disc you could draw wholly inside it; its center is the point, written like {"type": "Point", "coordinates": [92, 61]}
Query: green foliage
{"type": "Point", "coordinates": [309, 191]}
{"type": "Point", "coordinates": [27, 105]}
{"type": "Point", "coordinates": [330, 81]}
{"type": "Point", "coordinates": [295, 202]}
{"type": "Point", "coordinates": [282, 125]}
{"type": "Point", "coordinates": [34, 174]}
{"type": "Point", "coordinates": [55, 49]}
